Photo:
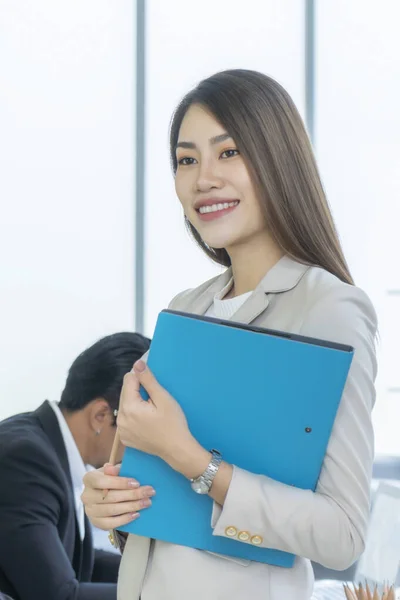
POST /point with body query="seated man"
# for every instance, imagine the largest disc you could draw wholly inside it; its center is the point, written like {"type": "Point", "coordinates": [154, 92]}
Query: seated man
{"type": "Point", "coordinates": [46, 550]}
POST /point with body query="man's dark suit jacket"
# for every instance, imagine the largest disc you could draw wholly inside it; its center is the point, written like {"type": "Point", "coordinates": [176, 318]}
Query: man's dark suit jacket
{"type": "Point", "coordinates": [42, 556]}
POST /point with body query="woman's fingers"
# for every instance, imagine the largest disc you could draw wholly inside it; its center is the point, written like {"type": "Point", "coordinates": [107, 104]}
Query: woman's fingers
{"type": "Point", "coordinates": [94, 496]}
{"type": "Point", "coordinates": [102, 511]}
{"type": "Point", "coordinates": [110, 469]}
{"type": "Point", "coordinates": [114, 522]}
{"type": "Point", "coordinates": [125, 497]}
{"type": "Point", "coordinates": [117, 496]}
{"type": "Point", "coordinates": [101, 481]}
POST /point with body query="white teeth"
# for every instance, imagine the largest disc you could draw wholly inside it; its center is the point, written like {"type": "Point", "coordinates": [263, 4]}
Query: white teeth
{"type": "Point", "coordinates": [217, 207]}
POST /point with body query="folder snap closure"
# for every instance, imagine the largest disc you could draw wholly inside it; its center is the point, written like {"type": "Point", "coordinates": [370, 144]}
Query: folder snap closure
{"type": "Point", "coordinates": [308, 430]}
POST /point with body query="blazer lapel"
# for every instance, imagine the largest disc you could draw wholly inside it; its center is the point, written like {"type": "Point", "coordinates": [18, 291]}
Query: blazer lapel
{"type": "Point", "coordinates": [49, 422]}
{"type": "Point", "coordinates": [282, 277]}
{"type": "Point", "coordinates": [252, 308]}
{"type": "Point", "coordinates": [87, 554]}
{"type": "Point", "coordinates": [202, 303]}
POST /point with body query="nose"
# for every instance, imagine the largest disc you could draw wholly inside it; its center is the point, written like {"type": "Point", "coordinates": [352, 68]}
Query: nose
{"type": "Point", "coordinates": [208, 177]}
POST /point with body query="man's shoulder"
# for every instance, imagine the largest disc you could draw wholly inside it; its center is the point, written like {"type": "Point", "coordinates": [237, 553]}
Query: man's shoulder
{"type": "Point", "coordinates": [23, 424]}
{"type": "Point", "coordinates": [22, 435]}
{"type": "Point", "coordinates": [27, 455]}
{"type": "Point", "coordinates": [19, 423]}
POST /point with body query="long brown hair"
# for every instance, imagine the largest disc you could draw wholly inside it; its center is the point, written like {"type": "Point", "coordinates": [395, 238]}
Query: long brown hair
{"type": "Point", "coordinates": [267, 128]}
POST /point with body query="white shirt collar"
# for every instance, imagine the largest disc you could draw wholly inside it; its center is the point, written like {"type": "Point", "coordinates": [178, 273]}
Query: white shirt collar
{"type": "Point", "coordinates": [223, 307]}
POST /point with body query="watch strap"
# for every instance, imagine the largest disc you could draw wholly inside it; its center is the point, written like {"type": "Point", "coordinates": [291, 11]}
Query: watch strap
{"type": "Point", "coordinates": [209, 474]}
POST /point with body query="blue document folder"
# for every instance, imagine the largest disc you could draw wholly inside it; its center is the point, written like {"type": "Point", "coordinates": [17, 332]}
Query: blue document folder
{"type": "Point", "coordinates": [266, 400]}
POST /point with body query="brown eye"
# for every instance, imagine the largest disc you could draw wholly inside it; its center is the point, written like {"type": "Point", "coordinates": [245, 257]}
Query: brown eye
{"type": "Point", "coordinates": [229, 153]}
{"type": "Point", "coordinates": [186, 161]}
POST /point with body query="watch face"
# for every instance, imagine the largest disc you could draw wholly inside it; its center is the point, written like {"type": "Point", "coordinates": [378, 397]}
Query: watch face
{"type": "Point", "coordinates": [200, 486]}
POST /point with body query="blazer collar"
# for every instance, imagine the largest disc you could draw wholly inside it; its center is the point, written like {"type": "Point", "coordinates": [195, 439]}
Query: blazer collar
{"type": "Point", "coordinates": [283, 276]}
{"type": "Point", "coordinates": [83, 550]}
{"type": "Point", "coordinates": [48, 421]}
{"type": "Point", "coordinates": [201, 303]}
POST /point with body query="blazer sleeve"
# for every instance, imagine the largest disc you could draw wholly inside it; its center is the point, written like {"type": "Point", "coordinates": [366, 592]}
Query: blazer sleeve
{"type": "Point", "coordinates": [32, 556]}
{"type": "Point", "coordinates": [329, 525]}
{"type": "Point", "coordinates": [106, 566]}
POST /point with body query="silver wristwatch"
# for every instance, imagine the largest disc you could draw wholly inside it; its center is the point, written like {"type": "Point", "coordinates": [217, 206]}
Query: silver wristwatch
{"type": "Point", "coordinates": [202, 484]}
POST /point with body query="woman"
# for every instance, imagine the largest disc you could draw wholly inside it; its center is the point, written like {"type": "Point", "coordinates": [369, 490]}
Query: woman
{"type": "Point", "coordinates": [252, 198]}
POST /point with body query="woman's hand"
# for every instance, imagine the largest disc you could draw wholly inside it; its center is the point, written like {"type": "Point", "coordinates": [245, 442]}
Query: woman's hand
{"type": "Point", "coordinates": [156, 426]}
{"type": "Point", "coordinates": [125, 498]}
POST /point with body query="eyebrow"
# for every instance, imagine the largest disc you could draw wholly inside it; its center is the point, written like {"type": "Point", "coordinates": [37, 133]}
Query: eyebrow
{"type": "Point", "coordinates": [217, 139]}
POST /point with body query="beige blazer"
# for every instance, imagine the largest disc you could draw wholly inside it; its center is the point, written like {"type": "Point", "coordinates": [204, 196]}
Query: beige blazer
{"type": "Point", "coordinates": [328, 526]}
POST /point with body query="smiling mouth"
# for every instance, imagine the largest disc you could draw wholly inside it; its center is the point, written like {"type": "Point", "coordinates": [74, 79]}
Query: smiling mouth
{"type": "Point", "coordinates": [218, 207]}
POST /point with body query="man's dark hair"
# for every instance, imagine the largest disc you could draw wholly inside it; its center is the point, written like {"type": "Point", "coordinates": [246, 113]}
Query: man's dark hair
{"type": "Point", "coordinates": [98, 371]}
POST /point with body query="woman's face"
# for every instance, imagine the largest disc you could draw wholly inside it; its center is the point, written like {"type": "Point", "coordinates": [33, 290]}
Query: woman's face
{"type": "Point", "coordinates": [213, 184]}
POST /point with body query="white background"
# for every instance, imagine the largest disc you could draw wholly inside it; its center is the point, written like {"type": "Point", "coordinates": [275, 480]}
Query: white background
{"type": "Point", "coordinates": [66, 187]}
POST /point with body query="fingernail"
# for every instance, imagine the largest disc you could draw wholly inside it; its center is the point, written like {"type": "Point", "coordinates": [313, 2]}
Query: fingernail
{"type": "Point", "coordinates": [133, 484]}
{"type": "Point", "coordinates": [139, 366]}
{"type": "Point", "coordinates": [146, 502]}
{"type": "Point", "coordinates": [134, 516]}
{"type": "Point", "coordinates": [152, 492]}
